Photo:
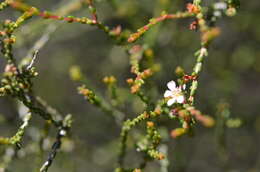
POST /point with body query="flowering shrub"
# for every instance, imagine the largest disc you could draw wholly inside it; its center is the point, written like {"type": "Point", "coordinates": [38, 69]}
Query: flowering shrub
{"type": "Point", "coordinates": [176, 103]}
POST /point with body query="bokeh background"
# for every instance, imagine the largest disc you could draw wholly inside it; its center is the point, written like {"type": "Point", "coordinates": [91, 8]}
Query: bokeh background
{"type": "Point", "coordinates": [228, 88]}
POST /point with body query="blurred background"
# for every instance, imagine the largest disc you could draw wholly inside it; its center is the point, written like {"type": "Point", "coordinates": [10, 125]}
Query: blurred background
{"type": "Point", "coordinates": [228, 88]}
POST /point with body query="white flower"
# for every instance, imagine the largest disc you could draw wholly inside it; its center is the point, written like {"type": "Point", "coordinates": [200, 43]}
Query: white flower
{"type": "Point", "coordinates": [174, 93]}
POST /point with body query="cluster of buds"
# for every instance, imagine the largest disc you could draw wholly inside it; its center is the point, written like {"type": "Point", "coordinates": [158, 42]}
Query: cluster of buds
{"type": "Point", "coordinates": [186, 120]}
{"type": "Point", "coordinates": [89, 95]}
{"type": "Point", "coordinates": [188, 78]}
{"type": "Point", "coordinates": [156, 154]}
{"type": "Point", "coordinates": [11, 26]}
{"type": "Point", "coordinates": [188, 116]}
{"type": "Point", "coordinates": [16, 81]}
{"type": "Point", "coordinates": [153, 134]}
{"type": "Point", "coordinates": [139, 80]}
{"type": "Point", "coordinates": [191, 8]}
{"type": "Point", "coordinates": [136, 55]}
{"type": "Point", "coordinates": [109, 80]}
{"type": "Point", "coordinates": [150, 143]}
{"type": "Point", "coordinates": [205, 120]}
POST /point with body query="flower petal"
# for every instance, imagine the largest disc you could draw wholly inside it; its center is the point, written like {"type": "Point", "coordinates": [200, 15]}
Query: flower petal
{"type": "Point", "coordinates": [171, 101]}
{"type": "Point", "coordinates": [167, 93]}
{"type": "Point", "coordinates": [171, 85]}
{"type": "Point", "coordinates": [184, 86]}
{"type": "Point", "coordinates": [180, 99]}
